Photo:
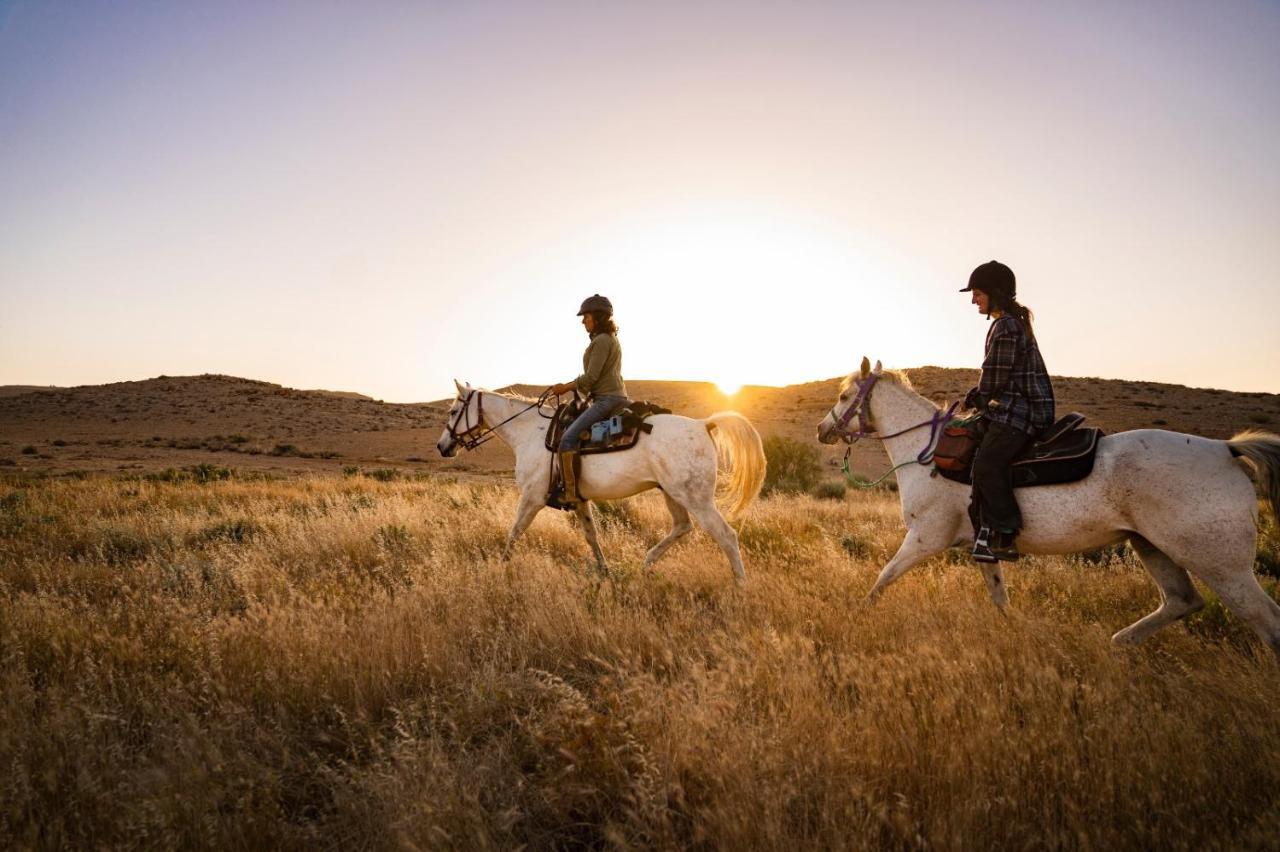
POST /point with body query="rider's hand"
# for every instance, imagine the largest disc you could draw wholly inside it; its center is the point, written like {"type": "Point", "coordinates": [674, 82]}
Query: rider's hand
{"type": "Point", "coordinates": [562, 388]}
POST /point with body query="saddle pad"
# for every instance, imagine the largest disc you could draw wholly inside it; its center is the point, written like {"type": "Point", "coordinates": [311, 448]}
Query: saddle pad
{"type": "Point", "coordinates": [1068, 458]}
{"type": "Point", "coordinates": [633, 424]}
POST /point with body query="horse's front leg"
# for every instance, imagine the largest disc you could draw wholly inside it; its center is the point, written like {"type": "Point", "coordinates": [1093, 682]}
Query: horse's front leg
{"type": "Point", "coordinates": [915, 548]}
{"type": "Point", "coordinates": [530, 505]}
{"type": "Point", "coordinates": [589, 530]}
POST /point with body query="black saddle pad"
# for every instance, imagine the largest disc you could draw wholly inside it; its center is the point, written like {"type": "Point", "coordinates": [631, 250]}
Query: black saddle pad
{"type": "Point", "coordinates": [1067, 456]}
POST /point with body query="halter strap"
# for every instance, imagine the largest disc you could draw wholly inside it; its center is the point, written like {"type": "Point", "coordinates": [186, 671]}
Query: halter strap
{"type": "Point", "coordinates": [473, 436]}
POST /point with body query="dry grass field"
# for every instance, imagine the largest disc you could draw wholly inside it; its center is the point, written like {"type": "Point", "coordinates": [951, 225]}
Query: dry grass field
{"type": "Point", "coordinates": [328, 662]}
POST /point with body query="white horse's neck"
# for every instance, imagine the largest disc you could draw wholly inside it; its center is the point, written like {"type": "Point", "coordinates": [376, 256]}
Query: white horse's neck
{"type": "Point", "coordinates": [514, 421]}
{"type": "Point", "coordinates": [895, 408]}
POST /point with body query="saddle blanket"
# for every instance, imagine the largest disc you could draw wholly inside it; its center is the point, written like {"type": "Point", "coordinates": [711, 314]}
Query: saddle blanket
{"type": "Point", "coordinates": [1066, 453]}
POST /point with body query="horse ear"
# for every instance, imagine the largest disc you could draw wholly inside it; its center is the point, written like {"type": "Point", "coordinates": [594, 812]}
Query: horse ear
{"type": "Point", "coordinates": [866, 366]}
{"type": "Point", "coordinates": [878, 368]}
{"type": "Point", "coordinates": [457, 384]}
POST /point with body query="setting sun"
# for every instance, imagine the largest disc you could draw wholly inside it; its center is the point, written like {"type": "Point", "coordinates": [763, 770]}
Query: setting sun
{"type": "Point", "coordinates": [729, 388]}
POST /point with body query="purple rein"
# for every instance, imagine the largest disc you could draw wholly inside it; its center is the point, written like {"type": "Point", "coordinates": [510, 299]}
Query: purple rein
{"type": "Point", "coordinates": [935, 423]}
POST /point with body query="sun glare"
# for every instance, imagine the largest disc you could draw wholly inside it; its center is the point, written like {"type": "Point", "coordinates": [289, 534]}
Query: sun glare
{"type": "Point", "coordinates": [729, 388]}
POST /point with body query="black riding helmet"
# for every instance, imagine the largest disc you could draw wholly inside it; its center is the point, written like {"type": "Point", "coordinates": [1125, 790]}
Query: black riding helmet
{"type": "Point", "coordinates": [994, 279]}
{"type": "Point", "coordinates": [596, 303]}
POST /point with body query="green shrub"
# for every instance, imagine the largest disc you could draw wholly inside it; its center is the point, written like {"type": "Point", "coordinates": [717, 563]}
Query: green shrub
{"type": "Point", "coordinates": [206, 472]}
{"type": "Point", "coordinates": [832, 489]}
{"type": "Point", "coordinates": [1268, 563]}
{"type": "Point", "coordinates": [793, 466]}
{"type": "Point", "coordinates": [285, 450]}
{"type": "Point", "coordinates": [29, 450]}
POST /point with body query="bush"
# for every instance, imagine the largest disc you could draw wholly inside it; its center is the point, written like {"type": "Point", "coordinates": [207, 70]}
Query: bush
{"type": "Point", "coordinates": [383, 474]}
{"type": "Point", "coordinates": [1268, 562]}
{"type": "Point", "coordinates": [285, 450]}
{"type": "Point", "coordinates": [793, 466]}
{"type": "Point", "coordinates": [832, 489]}
{"type": "Point", "coordinates": [29, 450]}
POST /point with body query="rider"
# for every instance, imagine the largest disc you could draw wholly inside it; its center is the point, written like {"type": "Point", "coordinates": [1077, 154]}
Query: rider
{"type": "Point", "coordinates": [1015, 400]}
{"type": "Point", "coordinates": [600, 382]}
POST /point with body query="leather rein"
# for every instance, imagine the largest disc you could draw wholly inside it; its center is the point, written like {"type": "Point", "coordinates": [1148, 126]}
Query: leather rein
{"type": "Point", "coordinates": [479, 433]}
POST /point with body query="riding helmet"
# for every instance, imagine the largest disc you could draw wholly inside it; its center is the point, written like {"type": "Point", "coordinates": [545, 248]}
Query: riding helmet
{"type": "Point", "coordinates": [994, 279]}
{"type": "Point", "coordinates": [596, 303]}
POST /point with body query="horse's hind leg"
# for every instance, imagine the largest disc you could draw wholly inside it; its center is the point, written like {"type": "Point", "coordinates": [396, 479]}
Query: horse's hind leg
{"type": "Point", "coordinates": [1178, 597]}
{"type": "Point", "coordinates": [994, 575]}
{"type": "Point", "coordinates": [680, 525]}
{"type": "Point", "coordinates": [1238, 587]}
{"type": "Point", "coordinates": [718, 528]}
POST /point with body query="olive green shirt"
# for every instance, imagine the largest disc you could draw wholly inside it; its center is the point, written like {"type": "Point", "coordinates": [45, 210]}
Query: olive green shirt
{"type": "Point", "coordinates": [602, 368]}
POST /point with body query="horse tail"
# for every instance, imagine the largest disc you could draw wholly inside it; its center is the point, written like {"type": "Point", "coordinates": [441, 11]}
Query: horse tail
{"type": "Point", "coordinates": [1262, 449]}
{"type": "Point", "coordinates": [742, 455]}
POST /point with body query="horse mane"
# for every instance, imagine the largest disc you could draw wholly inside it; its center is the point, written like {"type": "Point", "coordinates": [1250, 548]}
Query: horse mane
{"type": "Point", "coordinates": [898, 377]}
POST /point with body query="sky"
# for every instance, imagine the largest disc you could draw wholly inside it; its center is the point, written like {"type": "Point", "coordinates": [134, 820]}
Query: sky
{"type": "Point", "coordinates": [382, 197]}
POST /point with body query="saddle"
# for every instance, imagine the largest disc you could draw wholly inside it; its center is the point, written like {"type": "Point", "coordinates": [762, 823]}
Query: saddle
{"type": "Point", "coordinates": [620, 432]}
{"type": "Point", "coordinates": [1064, 452]}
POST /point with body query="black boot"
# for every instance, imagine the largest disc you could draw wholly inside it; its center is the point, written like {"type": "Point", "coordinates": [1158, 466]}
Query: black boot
{"type": "Point", "coordinates": [1002, 546]}
{"type": "Point", "coordinates": [982, 551]}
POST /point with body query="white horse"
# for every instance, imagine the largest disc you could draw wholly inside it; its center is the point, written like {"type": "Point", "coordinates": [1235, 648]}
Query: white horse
{"type": "Point", "coordinates": [679, 456]}
{"type": "Point", "coordinates": [1184, 503]}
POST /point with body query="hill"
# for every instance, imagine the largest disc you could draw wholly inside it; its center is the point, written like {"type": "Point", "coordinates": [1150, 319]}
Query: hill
{"type": "Point", "coordinates": [173, 421]}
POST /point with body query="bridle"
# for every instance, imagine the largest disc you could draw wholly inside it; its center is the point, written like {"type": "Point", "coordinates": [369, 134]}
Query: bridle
{"type": "Point", "coordinates": [473, 435]}
{"type": "Point", "coordinates": [857, 408]}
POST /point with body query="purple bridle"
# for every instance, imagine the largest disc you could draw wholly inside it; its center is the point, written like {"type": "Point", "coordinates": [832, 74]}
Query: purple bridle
{"type": "Point", "coordinates": [858, 408]}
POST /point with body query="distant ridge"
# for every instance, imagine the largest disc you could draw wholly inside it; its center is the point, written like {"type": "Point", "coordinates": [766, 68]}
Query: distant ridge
{"type": "Point", "coordinates": [247, 423]}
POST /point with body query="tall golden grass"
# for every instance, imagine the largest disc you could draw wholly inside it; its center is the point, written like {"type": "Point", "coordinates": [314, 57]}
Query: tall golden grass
{"type": "Point", "coordinates": [346, 664]}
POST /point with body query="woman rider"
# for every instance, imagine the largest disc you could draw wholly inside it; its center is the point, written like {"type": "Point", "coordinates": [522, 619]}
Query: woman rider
{"type": "Point", "coordinates": [600, 382]}
{"type": "Point", "coordinates": [1015, 399]}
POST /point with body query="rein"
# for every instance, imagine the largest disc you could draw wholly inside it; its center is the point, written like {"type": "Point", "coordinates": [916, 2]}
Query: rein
{"type": "Point", "coordinates": [857, 407]}
{"type": "Point", "coordinates": [473, 436]}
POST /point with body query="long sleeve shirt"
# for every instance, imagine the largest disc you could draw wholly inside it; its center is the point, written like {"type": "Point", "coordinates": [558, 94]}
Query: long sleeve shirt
{"type": "Point", "coordinates": [602, 368]}
{"type": "Point", "coordinates": [1015, 388]}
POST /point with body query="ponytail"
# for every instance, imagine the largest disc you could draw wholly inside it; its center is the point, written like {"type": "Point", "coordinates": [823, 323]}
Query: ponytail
{"type": "Point", "coordinates": [1016, 309]}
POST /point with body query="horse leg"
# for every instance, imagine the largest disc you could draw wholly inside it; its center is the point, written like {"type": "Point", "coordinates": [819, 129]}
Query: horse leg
{"type": "Point", "coordinates": [529, 506]}
{"type": "Point", "coordinates": [1226, 566]}
{"type": "Point", "coordinates": [911, 552]}
{"type": "Point", "coordinates": [718, 528]}
{"type": "Point", "coordinates": [589, 530]}
{"type": "Point", "coordinates": [680, 525]}
{"type": "Point", "coordinates": [994, 575]}
{"type": "Point", "coordinates": [1178, 597]}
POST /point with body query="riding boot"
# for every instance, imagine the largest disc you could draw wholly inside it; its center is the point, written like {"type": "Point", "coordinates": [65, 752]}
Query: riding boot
{"type": "Point", "coordinates": [982, 551]}
{"type": "Point", "coordinates": [569, 476]}
{"type": "Point", "coordinates": [1003, 546]}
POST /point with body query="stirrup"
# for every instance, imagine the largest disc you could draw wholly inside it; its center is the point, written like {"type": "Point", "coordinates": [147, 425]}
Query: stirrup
{"type": "Point", "coordinates": [1002, 546]}
{"type": "Point", "coordinates": [982, 551]}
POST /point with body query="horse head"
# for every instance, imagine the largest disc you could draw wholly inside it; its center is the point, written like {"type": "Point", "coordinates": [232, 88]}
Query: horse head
{"type": "Point", "coordinates": [855, 391]}
{"type": "Point", "coordinates": [465, 417]}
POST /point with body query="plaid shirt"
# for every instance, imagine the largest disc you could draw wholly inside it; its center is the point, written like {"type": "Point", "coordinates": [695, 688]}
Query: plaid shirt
{"type": "Point", "coordinates": [1014, 389]}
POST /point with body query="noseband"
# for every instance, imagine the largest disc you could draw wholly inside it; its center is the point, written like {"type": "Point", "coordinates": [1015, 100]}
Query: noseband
{"type": "Point", "coordinates": [856, 409]}
{"type": "Point", "coordinates": [472, 436]}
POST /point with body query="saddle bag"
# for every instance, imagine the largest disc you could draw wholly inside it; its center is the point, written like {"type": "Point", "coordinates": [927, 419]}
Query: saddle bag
{"type": "Point", "coordinates": [957, 445]}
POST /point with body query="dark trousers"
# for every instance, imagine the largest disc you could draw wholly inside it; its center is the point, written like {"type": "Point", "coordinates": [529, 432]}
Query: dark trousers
{"type": "Point", "coordinates": [993, 504]}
